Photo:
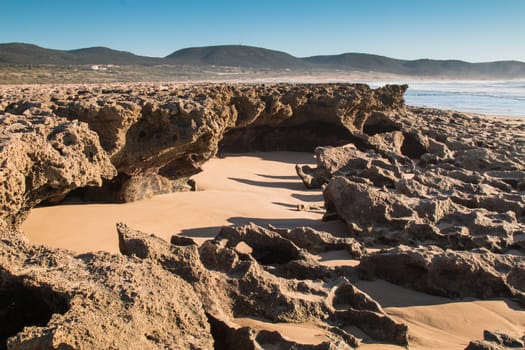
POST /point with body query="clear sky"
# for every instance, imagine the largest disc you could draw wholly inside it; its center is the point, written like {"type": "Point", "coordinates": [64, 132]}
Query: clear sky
{"type": "Point", "coordinates": [472, 30]}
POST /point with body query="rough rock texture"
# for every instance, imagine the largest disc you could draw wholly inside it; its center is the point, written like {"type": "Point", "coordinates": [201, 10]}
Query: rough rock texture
{"type": "Point", "coordinates": [496, 341]}
{"type": "Point", "coordinates": [444, 178]}
{"type": "Point", "coordinates": [477, 273]}
{"type": "Point", "coordinates": [317, 242]}
{"type": "Point", "coordinates": [241, 284]}
{"type": "Point", "coordinates": [231, 337]}
{"type": "Point", "coordinates": [54, 300]}
{"type": "Point", "coordinates": [44, 158]}
{"type": "Point", "coordinates": [159, 136]}
{"type": "Point", "coordinates": [450, 187]}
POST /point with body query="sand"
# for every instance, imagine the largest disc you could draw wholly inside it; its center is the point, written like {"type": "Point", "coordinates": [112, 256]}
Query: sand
{"type": "Point", "coordinates": [441, 323]}
{"type": "Point", "coordinates": [263, 188]}
{"type": "Point", "coordinates": [260, 187]}
{"type": "Point", "coordinates": [304, 333]}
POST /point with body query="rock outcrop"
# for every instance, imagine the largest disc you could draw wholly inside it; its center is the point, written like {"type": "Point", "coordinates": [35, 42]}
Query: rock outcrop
{"type": "Point", "coordinates": [51, 299]}
{"type": "Point", "coordinates": [44, 158]}
{"type": "Point", "coordinates": [453, 274]}
{"type": "Point", "coordinates": [496, 341]}
{"type": "Point", "coordinates": [443, 190]}
{"type": "Point", "coordinates": [436, 184]}
{"type": "Point", "coordinates": [276, 281]}
{"type": "Point", "coordinates": [158, 137]}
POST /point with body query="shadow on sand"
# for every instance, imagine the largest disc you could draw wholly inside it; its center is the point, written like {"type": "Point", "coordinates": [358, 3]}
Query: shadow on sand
{"type": "Point", "coordinates": [296, 186]}
{"type": "Point", "coordinates": [336, 227]}
{"type": "Point", "coordinates": [308, 197]}
{"type": "Point", "coordinates": [279, 156]}
{"type": "Point", "coordinates": [279, 177]}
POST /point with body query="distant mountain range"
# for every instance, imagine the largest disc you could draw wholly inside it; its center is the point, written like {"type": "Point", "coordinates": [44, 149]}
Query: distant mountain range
{"type": "Point", "coordinates": [260, 58]}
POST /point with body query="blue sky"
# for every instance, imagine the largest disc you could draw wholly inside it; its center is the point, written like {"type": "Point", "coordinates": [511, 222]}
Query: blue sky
{"type": "Point", "coordinates": [481, 30]}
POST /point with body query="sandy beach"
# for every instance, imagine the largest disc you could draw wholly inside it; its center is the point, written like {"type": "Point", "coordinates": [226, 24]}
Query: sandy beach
{"type": "Point", "coordinates": [243, 175]}
{"type": "Point", "coordinates": [263, 188]}
{"type": "Point", "coordinates": [238, 189]}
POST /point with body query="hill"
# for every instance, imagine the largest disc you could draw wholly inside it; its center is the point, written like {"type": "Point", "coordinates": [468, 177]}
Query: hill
{"type": "Point", "coordinates": [21, 53]}
{"type": "Point", "coordinates": [358, 61]}
{"type": "Point", "coordinates": [422, 67]}
{"type": "Point", "coordinates": [261, 58]}
{"type": "Point", "coordinates": [104, 55]}
{"type": "Point", "coordinates": [237, 56]}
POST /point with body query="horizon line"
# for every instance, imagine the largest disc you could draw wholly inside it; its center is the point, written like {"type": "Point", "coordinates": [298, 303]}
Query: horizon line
{"type": "Point", "coordinates": [264, 48]}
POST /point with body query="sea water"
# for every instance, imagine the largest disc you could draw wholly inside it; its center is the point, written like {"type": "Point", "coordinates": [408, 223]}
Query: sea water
{"type": "Point", "coordinates": [497, 98]}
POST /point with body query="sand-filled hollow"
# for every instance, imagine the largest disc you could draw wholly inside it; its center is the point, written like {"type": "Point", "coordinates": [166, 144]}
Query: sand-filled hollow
{"type": "Point", "coordinates": [263, 188]}
{"type": "Point", "coordinates": [233, 190]}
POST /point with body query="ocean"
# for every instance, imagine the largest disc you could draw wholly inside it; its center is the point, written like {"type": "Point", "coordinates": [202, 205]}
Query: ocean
{"type": "Point", "coordinates": [498, 98]}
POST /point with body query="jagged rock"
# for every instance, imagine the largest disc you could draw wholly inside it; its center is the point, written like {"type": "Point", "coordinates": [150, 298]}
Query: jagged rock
{"type": "Point", "coordinates": [230, 337]}
{"type": "Point", "coordinates": [157, 136]}
{"type": "Point", "coordinates": [286, 253]}
{"type": "Point", "coordinates": [356, 308]}
{"type": "Point", "coordinates": [333, 161]}
{"type": "Point", "coordinates": [425, 176]}
{"type": "Point", "coordinates": [269, 247]}
{"type": "Point", "coordinates": [503, 339]}
{"type": "Point", "coordinates": [230, 283]}
{"type": "Point", "coordinates": [274, 340]}
{"type": "Point", "coordinates": [366, 206]}
{"type": "Point", "coordinates": [483, 159]}
{"type": "Point", "coordinates": [109, 119]}
{"type": "Point", "coordinates": [233, 284]}
{"type": "Point", "coordinates": [43, 158]}
{"type": "Point", "coordinates": [452, 274]}
{"type": "Point", "coordinates": [495, 341]}
{"type": "Point", "coordinates": [316, 242]}
{"type": "Point", "coordinates": [404, 175]}
{"type": "Point", "coordinates": [483, 345]}
{"type": "Point", "coordinates": [227, 336]}
{"type": "Point", "coordinates": [54, 300]}
{"type": "Point", "coordinates": [347, 296]}
{"type": "Point", "coordinates": [391, 207]}
{"type": "Point", "coordinates": [377, 325]}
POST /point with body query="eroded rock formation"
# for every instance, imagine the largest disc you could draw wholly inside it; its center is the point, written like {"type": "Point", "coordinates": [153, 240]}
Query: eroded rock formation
{"type": "Point", "coordinates": [496, 341]}
{"type": "Point", "coordinates": [54, 300]}
{"type": "Point", "coordinates": [454, 274]}
{"type": "Point", "coordinates": [44, 158]}
{"type": "Point", "coordinates": [158, 137]}
{"type": "Point", "coordinates": [235, 283]}
{"type": "Point", "coordinates": [456, 181]}
{"type": "Point", "coordinates": [448, 187]}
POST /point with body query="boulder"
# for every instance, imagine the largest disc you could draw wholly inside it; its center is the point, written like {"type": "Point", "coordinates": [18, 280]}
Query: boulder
{"type": "Point", "coordinates": [496, 341]}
